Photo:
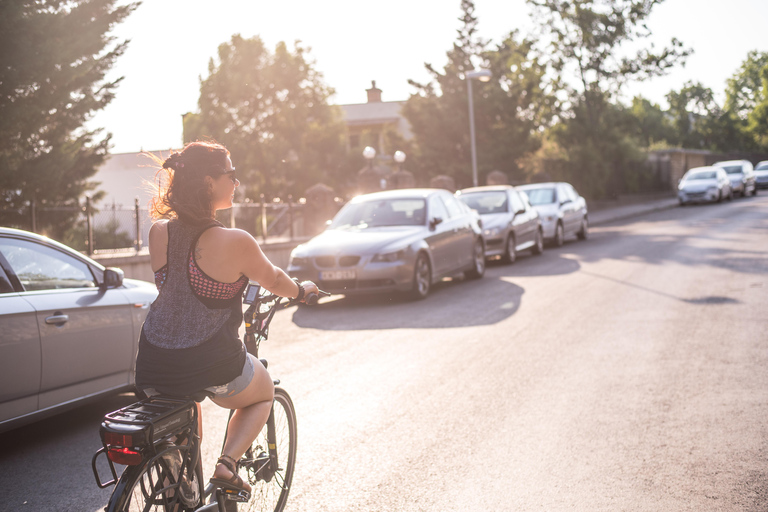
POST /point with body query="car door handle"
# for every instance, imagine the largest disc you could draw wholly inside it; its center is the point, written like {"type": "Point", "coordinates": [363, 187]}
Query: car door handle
{"type": "Point", "coordinates": [57, 319]}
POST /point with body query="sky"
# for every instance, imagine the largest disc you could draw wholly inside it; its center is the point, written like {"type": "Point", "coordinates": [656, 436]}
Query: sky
{"type": "Point", "coordinates": [355, 41]}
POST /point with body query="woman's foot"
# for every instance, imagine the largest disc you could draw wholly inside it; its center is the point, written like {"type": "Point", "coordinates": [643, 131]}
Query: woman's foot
{"type": "Point", "coordinates": [226, 475]}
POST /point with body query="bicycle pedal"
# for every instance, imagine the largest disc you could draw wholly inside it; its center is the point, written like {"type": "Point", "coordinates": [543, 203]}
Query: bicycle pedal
{"type": "Point", "coordinates": [238, 496]}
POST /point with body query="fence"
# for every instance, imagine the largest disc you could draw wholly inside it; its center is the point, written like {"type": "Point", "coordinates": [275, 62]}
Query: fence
{"type": "Point", "coordinates": [100, 230]}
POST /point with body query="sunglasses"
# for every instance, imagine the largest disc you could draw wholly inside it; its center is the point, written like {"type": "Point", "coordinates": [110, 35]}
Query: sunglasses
{"type": "Point", "coordinates": [231, 174]}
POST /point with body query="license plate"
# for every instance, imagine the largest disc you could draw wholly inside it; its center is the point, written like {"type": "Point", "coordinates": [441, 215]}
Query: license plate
{"type": "Point", "coordinates": [337, 275]}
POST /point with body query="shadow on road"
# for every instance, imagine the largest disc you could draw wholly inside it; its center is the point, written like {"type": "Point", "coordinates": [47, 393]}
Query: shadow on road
{"type": "Point", "coordinates": [55, 454]}
{"type": "Point", "coordinates": [452, 303]}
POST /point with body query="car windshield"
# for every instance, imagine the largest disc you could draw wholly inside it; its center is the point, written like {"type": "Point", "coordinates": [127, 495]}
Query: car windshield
{"type": "Point", "coordinates": [762, 167]}
{"type": "Point", "coordinates": [705, 175]}
{"type": "Point", "coordinates": [733, 169]}
{"type": "Point", "coordinates": [381, 212]}
{"type": "Point", "coordinates": [486, 202]}
{"type": "Point", "coordinates": [539, 196]}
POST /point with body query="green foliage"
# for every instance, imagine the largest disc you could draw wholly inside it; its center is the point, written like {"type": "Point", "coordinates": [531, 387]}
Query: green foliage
{"type": "Point", "coordinates": [55, 56]}
{"type": "Point", "coordinates": [758, 118]}
{"type": "Point", "coordinates": [743, 90]}
{"type": "Point", "coordinates": [271, 111]}
{"type": "Point", "coordinates": [508, 109]}
{"type": "Point", "coordinates": [586, 40]}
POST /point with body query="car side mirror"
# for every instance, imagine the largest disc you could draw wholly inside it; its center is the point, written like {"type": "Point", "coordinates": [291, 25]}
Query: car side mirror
{"type": "Point", "coordinates": [434, 222]}
{"type": "Point", "coordinates": [564, 201]}
{"type": "Point", "coordinates": [113, 277]}
{"type": "Point", "coordinates": [521, 210]}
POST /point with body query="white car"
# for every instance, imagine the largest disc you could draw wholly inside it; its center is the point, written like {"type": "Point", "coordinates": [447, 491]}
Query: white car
{"type": "Point", "coordinates": [741, 174]}
{"type": "Point", "coordinates": [562, 210]}
{"type": "Point", "coordinates": [704, 184]}
{"type": "Point", "coordinates": [761, 175]}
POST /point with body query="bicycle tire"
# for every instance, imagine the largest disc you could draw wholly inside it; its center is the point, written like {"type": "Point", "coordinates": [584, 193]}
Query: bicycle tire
{"type": "Point", "coordinates": [272, 495]}
{"type": "Point", "coordinates": [138, 487]}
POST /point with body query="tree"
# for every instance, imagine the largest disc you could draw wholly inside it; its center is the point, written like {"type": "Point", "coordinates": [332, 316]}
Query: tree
{"type": "Point", "coordinates": [508, 109]}
{"type": "Point", "coordinates": [586, 40]}
{"type": "Point", "coordinates": [55, 56]}
{"type": "Point", "coordinates": [271, 111]}
{"type": "Point", "coordinates": [758, 118]}
{"type": "Point", "coordinates": [743, 89]}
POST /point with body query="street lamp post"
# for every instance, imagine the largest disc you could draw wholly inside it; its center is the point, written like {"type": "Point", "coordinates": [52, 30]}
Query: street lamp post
{"type": "Point", "coordinates": [483, 75]}
{"type": "Point", "coordinates": [399, 158]}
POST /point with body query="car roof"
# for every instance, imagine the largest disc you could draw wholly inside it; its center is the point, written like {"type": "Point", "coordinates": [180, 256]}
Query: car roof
{"type": "Point", "coordinates": [548, 184]}
{"type": "Point", "coordinates": [729, 162]}
{"type": "Point", "coordinates": [400, 193]}
{"type": "Point", "coordinates": [701, 169]}
{"type": "Point", "coordinates": [486, 188]}
{"type": "Point", "coordinates": [20, 233]}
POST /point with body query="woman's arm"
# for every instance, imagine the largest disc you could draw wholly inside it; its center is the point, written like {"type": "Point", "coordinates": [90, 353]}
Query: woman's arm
{"type": "Point", "coordinates": [253, 263]}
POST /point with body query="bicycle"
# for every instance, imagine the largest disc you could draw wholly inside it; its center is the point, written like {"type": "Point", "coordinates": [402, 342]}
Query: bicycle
{"type": "Point", "coordinates": [157, 440]}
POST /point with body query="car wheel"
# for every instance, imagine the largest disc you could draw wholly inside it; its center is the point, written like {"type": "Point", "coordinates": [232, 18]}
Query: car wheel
{"type": "Point", "coordinates": [478, 255]}
{"type": "Point", "coordinates": [559, 234]}
{"type": "Point", "coordinates": [730, 196]}
{"type": "Point", "coordinates": [538, 246]}
{"type": "Point", "coordinates": [510, 255]}
{"type": "Point", "coordinates": [754, 191]}
{"type": "Point", "coordinates": [422, 277]}
{"type": "Point", "coordinates": [719, 196]}
{"type": "Point", "coordinates": [583, 233]}
{"type": "Point", "coordinates": [681, 202]}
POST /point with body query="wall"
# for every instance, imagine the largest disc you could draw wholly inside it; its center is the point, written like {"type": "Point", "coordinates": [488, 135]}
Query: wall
{"type": "Point", "coordinates": [136, 266]}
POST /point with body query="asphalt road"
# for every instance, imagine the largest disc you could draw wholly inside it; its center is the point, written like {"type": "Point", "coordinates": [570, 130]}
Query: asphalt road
{"type": "Point", "coordinates": [627, 372]}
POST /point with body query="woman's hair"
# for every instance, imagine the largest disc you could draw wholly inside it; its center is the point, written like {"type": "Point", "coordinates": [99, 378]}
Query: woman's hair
{"type": "Point", "coordinates": [182, 191]}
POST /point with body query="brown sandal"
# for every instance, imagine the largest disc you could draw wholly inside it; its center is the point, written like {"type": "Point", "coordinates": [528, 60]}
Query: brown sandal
{"type": "Point", "coordinates": [234, 482]}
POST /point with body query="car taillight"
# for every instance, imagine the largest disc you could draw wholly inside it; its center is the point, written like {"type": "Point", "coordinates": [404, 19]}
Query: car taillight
{"type": "Point", "coordinates": [125, 456]}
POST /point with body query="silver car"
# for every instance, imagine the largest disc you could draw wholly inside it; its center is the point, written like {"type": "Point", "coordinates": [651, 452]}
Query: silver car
{"type": "Point", "coordinates": [741, 174]}
{"type": "Point", "coordinates": [562, 210]}
{"type": "Point", "coordinates": [761, 175]}
{"type": "Point", "coordinates": [70, 327]}
{"type": "Point", "coordinates": [704, 184]}
{"type": "Point", "coordinates": [393, 241]}
{"type": "Point", "coordinates": [510, 223]}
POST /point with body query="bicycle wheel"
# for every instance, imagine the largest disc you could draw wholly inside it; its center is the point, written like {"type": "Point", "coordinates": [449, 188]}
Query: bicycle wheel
{"type": "Point", "coordinates": [270, 484]}
{"type": "Point", "coordinates": [154, 486]}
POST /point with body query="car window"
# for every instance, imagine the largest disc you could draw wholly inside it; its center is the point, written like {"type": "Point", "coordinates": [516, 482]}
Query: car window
{"type": "Point", "coordinates": [762, 166]}
{"type": "Point", "coordinates": [733, 169]}
{"type": "Point", "coordinates": [382, 212]}
{"type": "Point", "coordinates": [517, 204]}
{"type": "Point", "coordinates": [486, 202]}
{"type": "Point", "coordinates": [437, 209]}
{"type": "Point", "coordinates": [40, 267]}
{"type": "Point", "coordinates": [451, 204]}
{"type": "Point", "coordinates": [540, 196]}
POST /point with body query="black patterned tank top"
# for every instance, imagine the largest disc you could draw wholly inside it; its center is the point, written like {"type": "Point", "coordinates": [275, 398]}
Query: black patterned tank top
{"type": "Point", "coordinates": [191, 306]}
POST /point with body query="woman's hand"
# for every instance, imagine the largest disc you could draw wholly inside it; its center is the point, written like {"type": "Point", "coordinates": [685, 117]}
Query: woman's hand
{"type": "Point", "coordinates": [309, 288]}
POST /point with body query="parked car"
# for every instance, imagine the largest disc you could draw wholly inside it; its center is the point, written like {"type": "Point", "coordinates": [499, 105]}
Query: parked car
{"type": "Point", "coordinates": [741, 174]}
{"type": "Point", "coordinates": [562, 210]}
{"type": "Point", "coordinates": [704, 184]}
{"type": "Point", "coordinates": [510, 223]}
{"type": "Point", "coordinates": [393, 241]}
{"type": "Point", "coordinates": [761, 175]}
{"type": "Point", "coordinates": [70, 327]}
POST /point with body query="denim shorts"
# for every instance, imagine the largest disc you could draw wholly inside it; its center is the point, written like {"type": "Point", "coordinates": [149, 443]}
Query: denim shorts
{"type": "Point", "coordinates": [238, 384]}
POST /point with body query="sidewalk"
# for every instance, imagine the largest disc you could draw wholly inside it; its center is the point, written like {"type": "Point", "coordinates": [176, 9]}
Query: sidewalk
{"type": "Point", "coordinates": [626, 211]}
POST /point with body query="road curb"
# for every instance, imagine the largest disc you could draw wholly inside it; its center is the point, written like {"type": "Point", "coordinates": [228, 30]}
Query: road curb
{"type": "Point", "coordinates": [630, 214]}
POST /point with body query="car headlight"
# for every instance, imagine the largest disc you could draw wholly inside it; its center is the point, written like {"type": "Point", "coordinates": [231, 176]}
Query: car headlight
{"type": "Point", "coordinates": [299, 261]}
{"type": "Point", "coordinates": [492, 232]}
{"type": "Point", "coordinates": [388, 257]}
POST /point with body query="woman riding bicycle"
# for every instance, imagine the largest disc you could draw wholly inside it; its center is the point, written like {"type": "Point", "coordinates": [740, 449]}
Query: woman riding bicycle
{"type": "Point", "coordinates": [189, 342]}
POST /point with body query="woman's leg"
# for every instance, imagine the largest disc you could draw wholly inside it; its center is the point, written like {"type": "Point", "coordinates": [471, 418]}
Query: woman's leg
{"type": "Point", "coordinates": [252, 406]}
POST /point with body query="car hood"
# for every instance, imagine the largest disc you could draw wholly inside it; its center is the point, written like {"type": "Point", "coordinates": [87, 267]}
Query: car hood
{"type": "Point", "coordinates": [697, 185]}
{"type": "Point", "coordinates": [360, 241]}
{"type": "Point", "coordinates": [547, 209]}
